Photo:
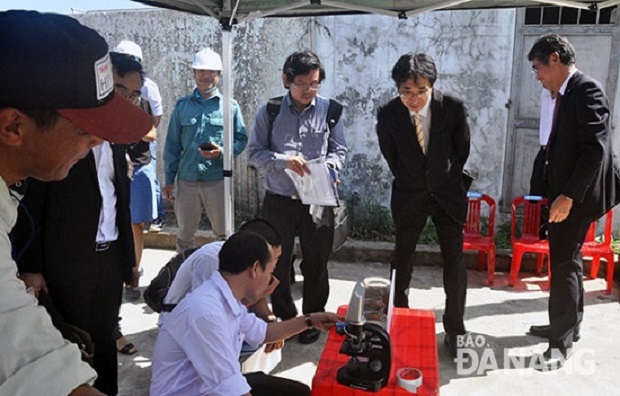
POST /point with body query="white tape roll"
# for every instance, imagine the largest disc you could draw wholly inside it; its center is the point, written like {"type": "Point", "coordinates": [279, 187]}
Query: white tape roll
{"type": "Point", "coordinates": [409, 379]}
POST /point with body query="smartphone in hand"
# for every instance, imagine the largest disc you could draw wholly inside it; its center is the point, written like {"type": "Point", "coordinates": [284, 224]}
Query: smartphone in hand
{"type": "Point", "coordinates": [208, 146]}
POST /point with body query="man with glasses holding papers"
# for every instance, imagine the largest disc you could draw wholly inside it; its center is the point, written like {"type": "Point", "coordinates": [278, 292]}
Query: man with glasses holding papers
{"type": "Point", "coordinates": [299, 132]}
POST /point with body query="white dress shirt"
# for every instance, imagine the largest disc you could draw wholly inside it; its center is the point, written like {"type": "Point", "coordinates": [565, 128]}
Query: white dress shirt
{"type": "Point", "coordinates": [150, 92]}
{"type": "Point", "coordinates": [547, 105]}
{"type": "Point", "coordinates": [107, 231]}
{"type": "Point", "coordinates": [547, 108]}
{"type": "Point", "coordinates": [192, 273]}
{"type": "Point", "coordinates": [198, 267]}
{"type": "Point", "coordinates": [562, 89]}
{"type": "Point", "coordinates": [197, 349]}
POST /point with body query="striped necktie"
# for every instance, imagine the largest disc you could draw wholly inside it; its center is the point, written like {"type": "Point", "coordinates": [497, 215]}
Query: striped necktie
{"type": "Point", "coordinates": [419, 130]}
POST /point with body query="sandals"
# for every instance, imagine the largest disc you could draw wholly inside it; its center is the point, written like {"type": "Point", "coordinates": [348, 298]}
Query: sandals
{"type": "Point", "coordinates": [128, 349]}
{"type": "Point", "coordinates": [122, 345]}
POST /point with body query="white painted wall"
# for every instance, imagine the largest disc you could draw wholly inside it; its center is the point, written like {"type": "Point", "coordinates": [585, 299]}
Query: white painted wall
{"type": "Point", "coordinates": [473, 51]}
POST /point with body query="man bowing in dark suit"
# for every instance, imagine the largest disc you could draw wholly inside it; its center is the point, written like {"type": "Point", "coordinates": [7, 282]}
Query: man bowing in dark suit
{"type": "Point", "coordinates": [581, 179]}
{"type": "Point", "coordinates": [82, 250]}
{"type": "Point", "coordinates": [424, 137]}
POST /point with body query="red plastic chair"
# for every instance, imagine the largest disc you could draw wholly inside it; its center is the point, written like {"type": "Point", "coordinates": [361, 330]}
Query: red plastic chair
{"type": "Point", "coordinates": [529, 240]}
{"type": "Point", "coordinates": [598, 250]}
{"type": "Point", "coordinates": [474, 240]}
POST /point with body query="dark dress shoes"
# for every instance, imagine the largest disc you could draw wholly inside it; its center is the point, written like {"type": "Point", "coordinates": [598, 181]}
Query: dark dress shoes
{"type": "Point", "coordinates": [544, 330]}
{"type": "Point", "coordinates": [309, 336]}
{"type": "Point", "coordinates": [553, 359]}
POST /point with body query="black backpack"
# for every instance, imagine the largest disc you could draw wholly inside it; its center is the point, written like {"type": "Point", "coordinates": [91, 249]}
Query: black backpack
{"type": "Point", "coordinates": [155, 293]}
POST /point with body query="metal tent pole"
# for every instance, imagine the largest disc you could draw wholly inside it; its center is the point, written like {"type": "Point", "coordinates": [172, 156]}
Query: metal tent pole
{"type": "Point", "coordinates": [229, 205]}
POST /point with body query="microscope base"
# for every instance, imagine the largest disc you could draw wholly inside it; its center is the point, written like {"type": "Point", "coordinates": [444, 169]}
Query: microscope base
{"type": "Point", "coordinates": [360, 381]}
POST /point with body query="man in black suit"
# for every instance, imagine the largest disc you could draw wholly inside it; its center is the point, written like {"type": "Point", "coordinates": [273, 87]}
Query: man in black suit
{"type": "Point", "coordinates": [83, 248]}
{"type": "Point", "coordinates": [424, 137]}
{"type": "Point", "coordinates": [581, 179]}
{"type": "Point", "coordinates": [83, 273]}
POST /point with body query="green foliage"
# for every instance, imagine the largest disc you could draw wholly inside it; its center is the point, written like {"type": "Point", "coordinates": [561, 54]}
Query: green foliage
{"type": "Point", "coordinates": [502, 233]}
{"type": "Point", "coordinates": [370, 221]}
{"type": "Point", "coordinates": [429, 235]}
{"type": "Point", "coordinates": [373, 222]}
{"type": "Point", "coordinates": [502, 236]}
{"type": "Point", "coordinates": [615, 243]}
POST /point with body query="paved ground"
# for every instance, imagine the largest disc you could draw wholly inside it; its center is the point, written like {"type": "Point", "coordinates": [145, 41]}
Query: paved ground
{"type": "Point", "coordinates": [497, 317]}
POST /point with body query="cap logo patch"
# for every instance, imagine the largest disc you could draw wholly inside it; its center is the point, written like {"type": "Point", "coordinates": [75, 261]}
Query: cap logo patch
{"type": "Point", "coordinates": [104, 77]}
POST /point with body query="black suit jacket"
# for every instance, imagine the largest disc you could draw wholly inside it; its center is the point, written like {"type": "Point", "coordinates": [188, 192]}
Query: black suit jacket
{"type": "Point", "coordinates": [439, 173]}
{"type": "Point", "coordinates": [580, 160]}
{"type": "Point", "coordinates": [66, 218]}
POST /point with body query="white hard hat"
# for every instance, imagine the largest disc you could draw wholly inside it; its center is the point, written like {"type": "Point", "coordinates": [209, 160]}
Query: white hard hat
{"type": "Point", "coordinates": [207, 59]}
{"type": "Point", "coordinates": [129, 48]}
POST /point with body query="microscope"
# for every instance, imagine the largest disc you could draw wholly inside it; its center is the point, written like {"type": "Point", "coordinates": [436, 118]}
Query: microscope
{"type": "Point", "coordinates": [368, 344]}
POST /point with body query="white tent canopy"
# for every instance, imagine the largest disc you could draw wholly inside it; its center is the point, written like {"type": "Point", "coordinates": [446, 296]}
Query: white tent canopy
{"type": "Point", "coordinates": [233, 12]}
{"type": "Point", "coordinates": [244, 10]}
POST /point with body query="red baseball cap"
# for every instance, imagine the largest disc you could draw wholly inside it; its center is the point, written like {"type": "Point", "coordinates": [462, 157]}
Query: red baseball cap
{"type": "Point", "coordinates": [52, 62]}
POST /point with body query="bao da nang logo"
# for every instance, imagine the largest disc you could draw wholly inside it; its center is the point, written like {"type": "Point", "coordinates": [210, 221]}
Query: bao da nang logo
{"type": "Point", "coordinates": [476, 356]}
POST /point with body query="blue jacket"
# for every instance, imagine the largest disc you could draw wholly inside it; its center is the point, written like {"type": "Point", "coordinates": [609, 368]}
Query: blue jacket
{"type": "Point", "coordinates": [194, 121]}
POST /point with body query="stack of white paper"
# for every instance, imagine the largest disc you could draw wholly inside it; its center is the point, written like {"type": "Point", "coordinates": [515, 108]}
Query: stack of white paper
{"type": "Point", "coordinates": [316, 188]}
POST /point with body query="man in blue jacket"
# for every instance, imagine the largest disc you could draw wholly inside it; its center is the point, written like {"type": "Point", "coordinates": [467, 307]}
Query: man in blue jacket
{"type": "Point", "coordinates": [193, 151]}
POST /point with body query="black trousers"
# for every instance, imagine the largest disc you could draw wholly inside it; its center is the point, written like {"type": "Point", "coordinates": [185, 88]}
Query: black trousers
{"type": "Point", "coordinates": [87, 290]}
{"type": "Point", "coordinates": [454, 272]}
{"type": "Point", "coordinates": [566, 294]}
{"type": "Point", "coordinates": [538, 186]}
{"type": "Point", "coordinates": [268, 385]}
{"type": "Point", "coordinates": [537, 180]}
{"type": "Point", "coordinates": [290, 217]}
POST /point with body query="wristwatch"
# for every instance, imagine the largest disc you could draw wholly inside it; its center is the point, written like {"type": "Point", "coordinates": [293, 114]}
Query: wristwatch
{"type": "Point", "coordinates": [308, 321]}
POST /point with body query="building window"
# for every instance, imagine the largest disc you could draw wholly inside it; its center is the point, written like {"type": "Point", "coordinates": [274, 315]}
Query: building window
{"type": "Point", "coordinates": [545, 16]}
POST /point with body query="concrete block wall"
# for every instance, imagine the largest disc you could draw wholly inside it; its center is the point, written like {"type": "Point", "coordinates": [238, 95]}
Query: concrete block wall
{"type": "Point", "coordinates": [472, 49]}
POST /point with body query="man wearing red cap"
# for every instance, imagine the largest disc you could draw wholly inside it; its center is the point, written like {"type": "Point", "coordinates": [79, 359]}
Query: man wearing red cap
{"type": "Point", "coordinates": [57, 102]}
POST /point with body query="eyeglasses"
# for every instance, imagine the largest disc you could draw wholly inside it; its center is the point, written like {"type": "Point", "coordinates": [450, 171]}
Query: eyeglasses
{"type": "Point", "coordinates": [536, 67]}
{"type": "Point", "coordinates": [414, 94]}
{"type": "Point", "coordinates": [124, 92]}
{"type": "Point", "coordinates": [305, 87]}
